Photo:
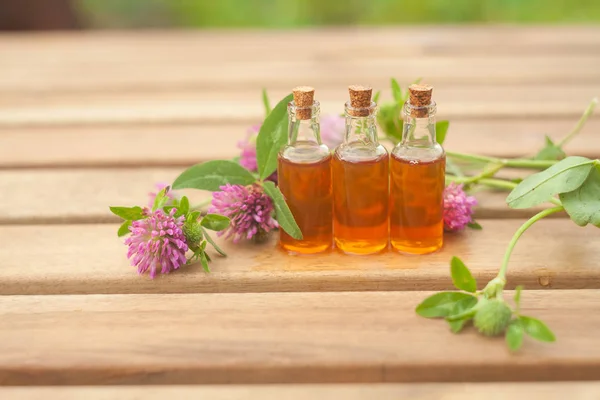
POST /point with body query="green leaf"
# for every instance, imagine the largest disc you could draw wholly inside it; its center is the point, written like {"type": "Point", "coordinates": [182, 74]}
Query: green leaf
{"type": "Point", "coordinates": [440, 304]}
{"type": "Point", "coordinates": [184, 206]}
{"type": "Point", "coordinates": [284, 215]}
{"type": "Point", "coordinates": [211, 175]}
{"type": "Point", "coordinates": [461, 276]}
{"type": "Point", "coordinates": [215, 222]}
{"type": "Point", "coordinates": [397, 92]}
{"type": "Point", "coordinates": [266, 103]}
{"type": "Point", "coordinates": [550, 152]}
{"type": "Point", "coordinates": [460, 308]}
{"type": "Point", "coordinates": [390, 122]}
{"type": "Point", "coordinates": [514, 335]}
{"type": "Point", "coordinates": [517, 297]}
{"type": "Point", "coordinates": [128, 213]}
{"type": "Point", "coordinates": [537, 329]}
{"type": "Point", "coordinates": [272, 137]}
{"type": "Point", "coordinates": [161, 199]}
{"type": "Point", "coordinates": [193, 216]}
{"type": "Point", "coordinates": [474, 225]}
{"type": "Point", "coordinates": [204, 261]}
{"type": "Point", "coordinates": [583, 204]}
{"type": "Point", "coordinates": [212, 243]}
{"type": "Point", "coordinates": [376, 97]}
{"type": "Point", "coordinates": [124, 228]}
{"type": "Point", "coordinates": [564, 176]}
{"type": "Point", "coordinates": [441, 129]}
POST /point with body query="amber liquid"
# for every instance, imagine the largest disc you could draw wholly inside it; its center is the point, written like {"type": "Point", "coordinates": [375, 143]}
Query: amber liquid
{"type": "Point", "coordinates": [417, 205]}
{"type": "Point", "coordinates": [360, 207]}
{"type": "Point", "coordinates": [307, 190]}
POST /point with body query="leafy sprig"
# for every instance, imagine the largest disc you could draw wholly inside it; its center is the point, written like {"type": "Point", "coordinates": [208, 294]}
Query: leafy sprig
{"type": "Point", "coordinates": [195, 226]}
{"type": "Point", "coordinates": [576, 182]}
{"type": "Point", "coordinates": [211, 175]}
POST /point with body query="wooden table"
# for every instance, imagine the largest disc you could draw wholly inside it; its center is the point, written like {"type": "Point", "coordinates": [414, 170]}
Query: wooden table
{"type": "Point", "coordinates": [90, 120]}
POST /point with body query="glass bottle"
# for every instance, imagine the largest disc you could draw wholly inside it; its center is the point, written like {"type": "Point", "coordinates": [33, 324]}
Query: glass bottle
{"type": "Point", "coordinates": [417, 178]}
{"type": "Point", "coordinates": [360, 180]}
{"type": "Point", "coordinates": [304, 175]}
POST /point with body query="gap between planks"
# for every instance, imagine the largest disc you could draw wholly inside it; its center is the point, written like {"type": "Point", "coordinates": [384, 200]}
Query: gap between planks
{"type": "Point", "coordinates": [89, 259]}
{"type": "Point", "coordinates": [57, 196]}
{"type": "Point", "coordinates": [280, 338]}
{"type": "Point", "coordinates": [187, 144]}
{"type": "Point", "coordinates": [410, 391]}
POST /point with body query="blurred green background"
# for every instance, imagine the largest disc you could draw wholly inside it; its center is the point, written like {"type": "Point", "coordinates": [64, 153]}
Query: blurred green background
{"type": "Point", "coordinates": [296, 13]}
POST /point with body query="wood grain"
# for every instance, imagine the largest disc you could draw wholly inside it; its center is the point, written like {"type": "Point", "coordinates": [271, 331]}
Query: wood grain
{"type": "Point", "coordinates": [243, 104]}
{"type": "Point", "coordinates": [175, 144]}
{"type": "Point", "coordinates": [414, 391]}
{"type": "Point", "coordinates": [134, 61]}
{"type": "Point", "coordinates": [280, 338]}
{"type": "Point", "coordinates": [67, 259]}
{"type": "Point", "coordinates": [51, 196]}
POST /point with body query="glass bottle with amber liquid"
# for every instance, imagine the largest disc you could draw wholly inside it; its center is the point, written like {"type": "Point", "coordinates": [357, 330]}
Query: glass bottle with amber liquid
{"type": "Point", "coordinates": [417, 178]}
{"type": "Point", "coordinates": [360, 180]}
{"type": "Point", "coordinates": [304, 174]}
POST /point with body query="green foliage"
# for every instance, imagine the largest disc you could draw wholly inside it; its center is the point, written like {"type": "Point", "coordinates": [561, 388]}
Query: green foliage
{"type": "Point", "coordinates": [211, 175]}
{"type": "Point", "coordinates": [550, 152]}
{"type": "Point", "coordinates": [462, 311]}
{"type": "Point", "coordinates": [128, 213]}
{"type": "Point", "coordinates": [300, 13]}
{"type": "Point", "coordinates": [565, 176]}
{"type": "Point", "coordinates": [272, 137]}
{"type": "Point", "coordinates": [441, 129]}
{"type": "Point", "coordinates": [124, 228]}
{"type": "Point", "coordinates": [266, 103]}
{"type": "Point", "coordinates": [212, 243]}
{"type": "Point", "coordinates": [537, 329]}
{"type": "Point", "coordinates": [284, 215]}
{"type": "Point", "coordinates": [514, 335]}
{"type": "Point", "coordinates": [583, 203]}
{"type": "Point", "coordinates": [474, 225]}
{"type": "Point", "coordinates": [441, 304]}
{"type": "Point", "coordinates": [215, 222]}
{"type": "Point", "coordinates": [461, 276]}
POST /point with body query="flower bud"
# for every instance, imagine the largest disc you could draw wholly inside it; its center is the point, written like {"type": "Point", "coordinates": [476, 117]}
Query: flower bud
{"type": "Point", "coordinates": [492, 317]}
{"type": "Point", "coordinates": [193, 233]}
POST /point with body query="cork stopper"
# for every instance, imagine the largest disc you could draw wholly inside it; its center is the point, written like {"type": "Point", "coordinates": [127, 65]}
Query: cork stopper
{"type": "Point", "coordinates": [420, 96]}
{"type": "Point", "coordinates": [304, 97]}
{"type": "Point", "coordinates": [360, 100]}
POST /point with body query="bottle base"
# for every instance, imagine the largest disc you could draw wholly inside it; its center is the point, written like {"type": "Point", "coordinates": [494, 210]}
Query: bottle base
{"type": "Point", "coordinates": [416, 248]}
{"type": "Point", "coordinates": [360, 247]}
{"type": "Point", "coordinates": [299, 249]}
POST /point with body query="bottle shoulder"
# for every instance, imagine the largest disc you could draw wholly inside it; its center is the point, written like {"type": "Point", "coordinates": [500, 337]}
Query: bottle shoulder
{"type": "Point", "coordinates": [357, 152]}
{"type": "Point", "coordinates": [429, 153]}
{"type": "Point", "coordinates": [305, 152]}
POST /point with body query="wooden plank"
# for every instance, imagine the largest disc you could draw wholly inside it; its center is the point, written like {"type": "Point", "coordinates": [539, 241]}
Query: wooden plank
{"type": "Point", "coordinates": [67, 259]}
{"type": "Point", "coordinates": [243, 104]}
{"type": "Point", "coordinates": [112, 61]}
{"type": "Point", "coordinates": [280, 338]}
{"type": "Point", "coordinates": [365, 391]}
{"type": "Point", "coordinates": [174, 144]}
{"type": "Point", "coordinates": [36, 196]}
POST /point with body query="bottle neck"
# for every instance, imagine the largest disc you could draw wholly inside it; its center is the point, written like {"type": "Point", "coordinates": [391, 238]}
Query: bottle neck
{"type": "Point", "coordinates": [361, 125]}
{"type": "Point", "coordinates": [419, 125]}
{"type": "Point", "coordinates": [304, 124]}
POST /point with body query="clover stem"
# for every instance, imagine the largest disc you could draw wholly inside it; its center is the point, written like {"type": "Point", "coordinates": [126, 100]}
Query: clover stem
{"type": "Point", "coordinates": [519, 232]}
{"type": "Point", "coordinates": [586, 114]}
{"type": "Point", "coordinates": [490, 182]}
{"type": "Point", "coordinates": [504, 162]}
